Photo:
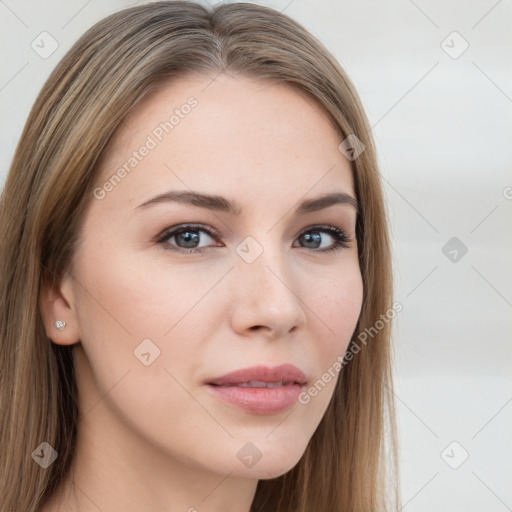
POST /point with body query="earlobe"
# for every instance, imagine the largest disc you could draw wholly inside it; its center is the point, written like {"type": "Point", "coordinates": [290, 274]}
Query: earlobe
{"type": "Point", "coordinates": [59, 318]}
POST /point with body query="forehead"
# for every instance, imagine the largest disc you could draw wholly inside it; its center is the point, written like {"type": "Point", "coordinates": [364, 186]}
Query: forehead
{"type": "Point", "coordinates": [226, 134]}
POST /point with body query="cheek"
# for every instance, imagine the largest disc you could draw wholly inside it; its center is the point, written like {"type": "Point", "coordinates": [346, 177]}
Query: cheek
{"type": "Point", "coordinates": [338, 309]}
{"type": "Point", "coordinates": [129, 308]}
{"type": "Point", "coordinates": [333, 316]}
{"type": "Point", "coordinates": [140, 297]}
{"type": "Point", "coordinates": [121, 303]}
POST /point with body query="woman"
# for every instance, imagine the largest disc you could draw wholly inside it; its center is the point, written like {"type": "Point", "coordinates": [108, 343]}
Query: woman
{"type": "Point", "coordinates": [194, 251]}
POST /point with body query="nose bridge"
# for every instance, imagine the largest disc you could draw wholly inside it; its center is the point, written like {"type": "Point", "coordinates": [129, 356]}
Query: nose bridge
{"type": "Point", "coordinates": [262, 261]}
{"type": "Point", "coordinates": [266, 290]}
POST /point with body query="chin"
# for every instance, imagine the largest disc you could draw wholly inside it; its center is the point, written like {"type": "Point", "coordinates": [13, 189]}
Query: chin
{"type": "Point", "coordinates": [273, 463]}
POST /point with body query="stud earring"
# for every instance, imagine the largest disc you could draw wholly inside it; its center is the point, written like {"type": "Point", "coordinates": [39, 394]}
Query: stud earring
{"type": "Point", "coordinates": [60, 324]}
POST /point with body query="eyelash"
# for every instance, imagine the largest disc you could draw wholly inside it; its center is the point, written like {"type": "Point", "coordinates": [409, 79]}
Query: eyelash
{"type": "Point", "coordinates": [340, 238]}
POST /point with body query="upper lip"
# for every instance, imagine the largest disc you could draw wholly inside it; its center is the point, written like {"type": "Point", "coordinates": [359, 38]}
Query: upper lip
{"type": "Point", "coordinates": [285, 373]}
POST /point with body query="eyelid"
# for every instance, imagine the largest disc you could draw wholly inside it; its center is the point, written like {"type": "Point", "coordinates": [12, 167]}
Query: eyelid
{"type": "Point", "coordinates": [172, 230]}
{"type": "Point", "coordinates": [182, 225]}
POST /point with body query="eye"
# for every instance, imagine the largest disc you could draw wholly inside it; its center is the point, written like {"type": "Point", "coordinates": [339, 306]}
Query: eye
{"type": "Point", "coordinates": [313, 239]}
{"type": "Point", "coordinates": [187, 238]}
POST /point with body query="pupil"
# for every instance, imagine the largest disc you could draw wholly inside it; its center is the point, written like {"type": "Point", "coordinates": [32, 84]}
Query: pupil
{"type": "Point", "coordinates": [190, 238]}
{"type": "Point", "coordinates": [315, 237]}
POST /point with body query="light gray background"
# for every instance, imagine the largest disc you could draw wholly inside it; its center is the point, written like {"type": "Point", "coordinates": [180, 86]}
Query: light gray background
{"type": "Point", "coordinates": [442, 125]}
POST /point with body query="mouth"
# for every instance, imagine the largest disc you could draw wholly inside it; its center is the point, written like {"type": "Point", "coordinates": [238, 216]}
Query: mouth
{"type": "Point", "coordinates": [262, 376]}
{"type": "Point", "coordinates": [260, 390]}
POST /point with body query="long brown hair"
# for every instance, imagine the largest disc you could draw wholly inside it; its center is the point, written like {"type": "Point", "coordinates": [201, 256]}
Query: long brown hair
{"type": "Point", "coordinates": [351, 460]}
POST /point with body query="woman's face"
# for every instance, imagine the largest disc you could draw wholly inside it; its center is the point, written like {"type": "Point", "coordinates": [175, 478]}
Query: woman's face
{"type": "Point", "coordinates": [161, 312]}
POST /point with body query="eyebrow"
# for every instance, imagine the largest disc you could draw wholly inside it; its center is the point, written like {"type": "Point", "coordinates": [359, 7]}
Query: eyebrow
{"type": "Point", "coordinates": [219, 203]}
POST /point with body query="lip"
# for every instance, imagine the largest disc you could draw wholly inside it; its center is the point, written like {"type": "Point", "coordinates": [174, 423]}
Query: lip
{"type": "Point", "coordinates": [284, 373]}
{"type": "Point", "coordinates": [260, 400]}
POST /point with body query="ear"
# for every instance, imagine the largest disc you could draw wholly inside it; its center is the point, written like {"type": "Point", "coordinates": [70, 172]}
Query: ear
{"type": "Point", "coordinates": [56, 303]}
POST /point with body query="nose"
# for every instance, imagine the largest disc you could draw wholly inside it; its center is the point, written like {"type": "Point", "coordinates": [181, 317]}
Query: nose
{"type": "Point", "coordinates": [267, 299]}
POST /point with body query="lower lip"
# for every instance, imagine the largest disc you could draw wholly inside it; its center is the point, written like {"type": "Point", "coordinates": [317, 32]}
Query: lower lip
{"type": "Point", "coordinates": [258, 400]}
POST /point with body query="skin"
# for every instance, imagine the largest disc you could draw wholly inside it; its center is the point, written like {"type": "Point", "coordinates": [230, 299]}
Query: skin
{"type": "Point", "coordinates": [151, 437]}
